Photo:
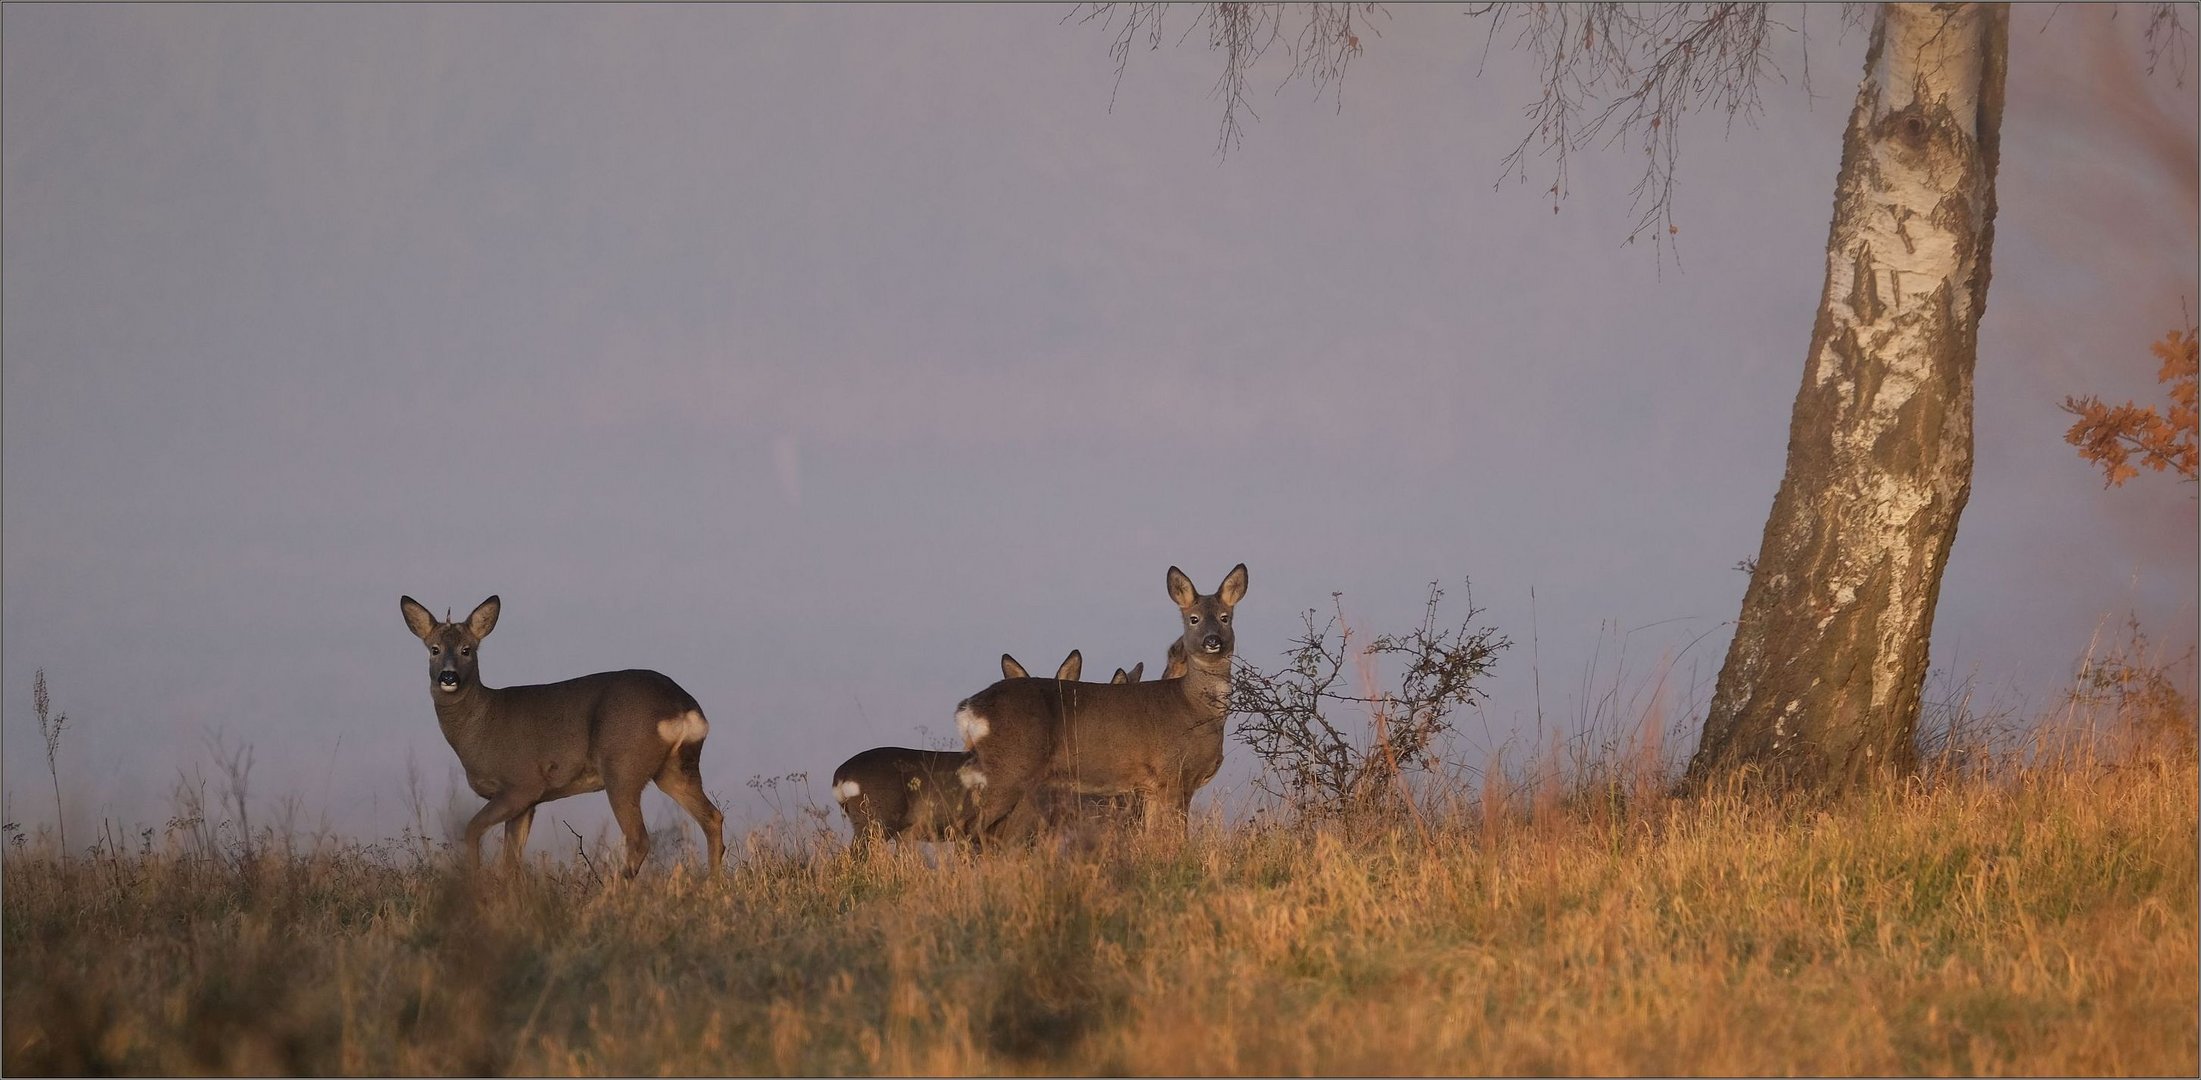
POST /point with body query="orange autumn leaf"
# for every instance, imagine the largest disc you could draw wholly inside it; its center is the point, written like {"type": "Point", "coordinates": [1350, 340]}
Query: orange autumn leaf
{"type": "Point", "coordinates": [2115, 436]}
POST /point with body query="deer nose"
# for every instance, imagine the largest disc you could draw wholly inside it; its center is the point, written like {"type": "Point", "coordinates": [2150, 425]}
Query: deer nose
{"type": "Point", "coordinates": [1214, 643]}
{"type": "Point", "coordinates": [448, 678]}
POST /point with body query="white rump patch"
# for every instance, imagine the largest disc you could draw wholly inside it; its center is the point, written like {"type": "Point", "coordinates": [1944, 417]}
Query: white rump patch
{"type": "Point", "coordinates": [688, 727]}
{"type": "Point", "coordinates": [846, 790]}
{"type": "Point", "coordinates": [970, 776]}
{"type": "Point", "coordinates": [972, 725]}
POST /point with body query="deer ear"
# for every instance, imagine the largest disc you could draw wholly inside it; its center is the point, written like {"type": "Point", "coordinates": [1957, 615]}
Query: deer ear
{"type": "Point", "coordinates": [1234, 586]}
{"type": "Point", "coordinates": [1175, 668]}
{"type": "Point", "coordinates": [1181, 588]}
{"type": "Point", "coordinates": [1010, 669]}
{"type": "Point", "coordinates": [1073, 666]}
{"type": "Point", "coordinates": [1137, 672]}
{"type": "Point", "coordinates": [417, 618]}
{"type": "Point", "coordinates": [1119, 678]}
{"type": "Point", "coordinates": [484, 618]}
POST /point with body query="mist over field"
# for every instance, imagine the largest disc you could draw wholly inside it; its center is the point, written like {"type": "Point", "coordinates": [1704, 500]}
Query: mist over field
{"type": "Point", "coordinates": [817, 356]}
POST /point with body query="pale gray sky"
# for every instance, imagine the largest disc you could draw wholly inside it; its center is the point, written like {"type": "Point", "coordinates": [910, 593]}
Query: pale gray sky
{"type": "Point", "coordinates": [816, 356]}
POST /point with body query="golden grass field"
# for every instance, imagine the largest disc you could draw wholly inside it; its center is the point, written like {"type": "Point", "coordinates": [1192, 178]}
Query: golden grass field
{"type": "Point", "coordinates": [2031, 914]}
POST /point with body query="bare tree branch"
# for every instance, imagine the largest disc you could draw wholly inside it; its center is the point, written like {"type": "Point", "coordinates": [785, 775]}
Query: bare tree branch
{"type": "Point", "coordinates": [1320, 52]}
{"type": "Point", "coordinates": [1614, 73]}
{"type": "Point", "coordinates": [1610, 73]}
{"type": "Point", "coordinates": [2168, 37]}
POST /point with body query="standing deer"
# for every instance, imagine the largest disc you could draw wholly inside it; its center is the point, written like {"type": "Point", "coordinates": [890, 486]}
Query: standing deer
{"type": "Point", "coordinates": [1161, 739]}
{"type": "Point", "coordinates": [522, 746]}
{"type": "Point", "coordinates": [901, 791]}
{"type": "Point", "coordinates": [1072, 666]}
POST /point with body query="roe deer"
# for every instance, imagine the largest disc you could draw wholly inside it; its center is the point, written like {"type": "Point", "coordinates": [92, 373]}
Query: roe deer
{"type": "Point", "coordinates": [1063, 805]}
{"type": "Point", "coordinates": [1173, 665]}
{"type": "Point", "coordinates": [1161, 739]}
{"type": "Point", "coordinates": [521, 746]}
{"type": "Point", "coordinates": [1072, 666]}
{"type": "Point", "coordinates": [901, 791]}
{"type": "Point", "coordinates": [1119, 809]}
{"type": "Point", "coordinates": [1173, 661]}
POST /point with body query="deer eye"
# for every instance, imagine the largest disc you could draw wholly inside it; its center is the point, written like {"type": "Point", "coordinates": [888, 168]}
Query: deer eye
{"type": "Point", "coordinates": [1195, 619]}
{"type": "Point", "coordinates": [1223, 618]}
{"type": "Point", "coordinates": [433, 651]}
{"type": "Point", "coordinates": [466, 650]}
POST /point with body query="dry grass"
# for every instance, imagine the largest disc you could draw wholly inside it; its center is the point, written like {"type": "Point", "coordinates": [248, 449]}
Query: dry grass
{"type": "Point", "coordinates": [2035, 914]}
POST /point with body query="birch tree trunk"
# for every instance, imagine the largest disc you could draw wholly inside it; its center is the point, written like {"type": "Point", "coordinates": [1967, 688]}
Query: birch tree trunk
{"type": "Point", "coordinates": [1821, 684]}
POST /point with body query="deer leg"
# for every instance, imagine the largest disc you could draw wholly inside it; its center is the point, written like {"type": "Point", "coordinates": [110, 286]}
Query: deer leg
{"type": "Point", "coordinates": [1005, 781]}
{"type": "Point", "coordinates": [1026, 821]}
{"type": "Point", "coordinates": [626, 806]}
{"type": "Point", "coordinates": [682, 778]}
{"type": "Point", "coordinates": [515, 834]}
{"type": "Point", "coordinates": [1005, 808]}
{"type": "Point", "coordinates": [864, 827]}
{"type": "Point", "coordinates": [507, 805]}
{"type": "Point", "coordinates": [992, 808]}
{"type": "Point", "coordinates": [1167, 810]}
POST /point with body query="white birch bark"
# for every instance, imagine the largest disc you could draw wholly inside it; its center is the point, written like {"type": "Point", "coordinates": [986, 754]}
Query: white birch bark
{"type": "Point", "coordinates": [1821, 685]}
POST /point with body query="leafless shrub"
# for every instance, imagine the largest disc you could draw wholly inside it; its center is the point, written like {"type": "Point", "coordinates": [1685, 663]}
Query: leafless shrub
{"type": "Point", "coordinates": [236, 767]}
{"type": "Point", "coordinates": [2133, 683]}
{"type": "Point", "coordinates": [188, 826]}
{"type": "Point", "coordinates": [1322, 763]}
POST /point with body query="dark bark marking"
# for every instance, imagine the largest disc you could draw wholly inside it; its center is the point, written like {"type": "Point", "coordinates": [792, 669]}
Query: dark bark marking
{"type": "Point", "coordinates": [1864, 290]}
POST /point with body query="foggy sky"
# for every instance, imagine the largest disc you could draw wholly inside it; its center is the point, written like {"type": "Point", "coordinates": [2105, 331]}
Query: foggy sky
{"type": "Point", "coordinates": [817, 356]}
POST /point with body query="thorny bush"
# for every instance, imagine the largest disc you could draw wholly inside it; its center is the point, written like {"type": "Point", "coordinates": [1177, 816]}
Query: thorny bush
{"type": "Point", "coordinates": [1328, 749]}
